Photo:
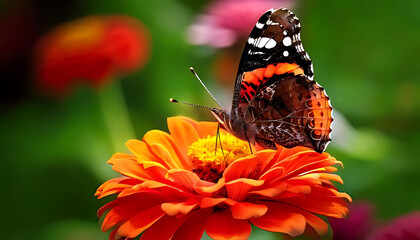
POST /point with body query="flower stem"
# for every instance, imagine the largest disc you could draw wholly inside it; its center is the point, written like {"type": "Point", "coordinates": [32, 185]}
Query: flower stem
{"type": "Point", "coordinates": [116, 116]}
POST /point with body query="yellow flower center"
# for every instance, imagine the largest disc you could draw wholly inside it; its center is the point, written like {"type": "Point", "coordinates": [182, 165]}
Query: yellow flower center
{"type": "Point", "coordinates": [210, 162]}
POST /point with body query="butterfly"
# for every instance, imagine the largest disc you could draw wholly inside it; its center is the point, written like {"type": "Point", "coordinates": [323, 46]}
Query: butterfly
{"type": "Point", "coordinates": [275, 100]}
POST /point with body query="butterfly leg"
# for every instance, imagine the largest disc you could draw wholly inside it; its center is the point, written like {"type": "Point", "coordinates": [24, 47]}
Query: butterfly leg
{"type": "Point", "coordinates": [250, 148]}
{"type": "Point", "coordinates": [247, 139]}
{"type": "Point", "coordinates": [220, 141]}
{"type": "Point", "coordinates": [217, 136]}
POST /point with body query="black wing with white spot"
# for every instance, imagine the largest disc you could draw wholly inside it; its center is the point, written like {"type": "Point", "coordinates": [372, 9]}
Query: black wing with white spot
{"type": "Point", "coordinates": [274, 39]}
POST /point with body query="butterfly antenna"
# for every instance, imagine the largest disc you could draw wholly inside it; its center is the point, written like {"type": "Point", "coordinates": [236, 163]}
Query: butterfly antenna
{"type": "Point", "coordinates": [196, 75]}
{"type": "Point", "coordinates": [190, 104]}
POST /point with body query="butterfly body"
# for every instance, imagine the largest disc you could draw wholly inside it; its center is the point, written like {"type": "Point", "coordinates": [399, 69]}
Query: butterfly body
{"type": "Point", "coordinates": [276, 101]}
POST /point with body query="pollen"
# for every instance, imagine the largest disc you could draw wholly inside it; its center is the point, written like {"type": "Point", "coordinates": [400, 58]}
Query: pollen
{"type": "Point", "coordinates": [210, 162]}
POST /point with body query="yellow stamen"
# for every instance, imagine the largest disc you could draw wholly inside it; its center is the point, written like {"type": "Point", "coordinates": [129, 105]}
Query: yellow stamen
{"type": "Point", "coordinates": [209, 162]}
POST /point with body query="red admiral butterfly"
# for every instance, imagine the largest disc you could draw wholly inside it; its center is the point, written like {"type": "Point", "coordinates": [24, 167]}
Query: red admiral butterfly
{"type": "Point", "coordinates": [275, 99]}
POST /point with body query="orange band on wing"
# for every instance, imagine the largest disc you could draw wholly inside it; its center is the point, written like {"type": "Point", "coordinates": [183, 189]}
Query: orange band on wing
{"type": "Point", "coordinates": [253, 79]}
{"type": "Point", "coordinates": [270, 70]}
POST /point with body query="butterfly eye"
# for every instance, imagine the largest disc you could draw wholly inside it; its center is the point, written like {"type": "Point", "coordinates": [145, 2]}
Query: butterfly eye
{"type": "Point", "coordinates": [218, 117]}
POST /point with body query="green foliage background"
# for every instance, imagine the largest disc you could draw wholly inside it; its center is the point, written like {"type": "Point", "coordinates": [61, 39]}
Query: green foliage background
{"type": "Point", "coordinates": [365, 54]}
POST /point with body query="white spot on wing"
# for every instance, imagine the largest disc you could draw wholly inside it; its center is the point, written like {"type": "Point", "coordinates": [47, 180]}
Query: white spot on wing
{"type": "Point", "coordinates": [299, 48]}
{"type": "Point", "coordinates": [251, 41]}
{"type": "Point", "coordinates": [286, 53]}
{"type": "Point", "coordinates": [266, 42]}
{"type": "Point", "coordinates": [285, 33]}
{"type": "Point", "coordinates": [287, 41]}
{"type": "Point", "coordinates": [259, 25]}
{"type": "Point", "coordinates": [250, 52]}
{"type": "Point", "coordinates": [271, 10]}
{"type": "Point", "coordinates": [271, 43]}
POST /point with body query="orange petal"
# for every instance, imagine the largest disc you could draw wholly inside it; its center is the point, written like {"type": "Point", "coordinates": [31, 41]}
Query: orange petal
{"type": "Point", "coordinates": [222, 225]}
{"type": "Point", "coordinates": [304, 189]}
{"type": "Point", "coordinates": [129, 191]}
{"type": "Point", "coordinates": [173, 209]}
{"type": "Point", "coordinates": [184, 134]}
{"type": "Point", "coordinates": [169, 224]}
{"type": "Point", "coordinates": [281, 218]}
{"type": "Point", "coordinates": [154, 170]}
{"type": "Point", "coordinates": [204, 187]}
{"type": "Point", "coordinates": [238, 189]}
{"type": "Point", "coordinates": [125, 208]}
{"type": "Point", "coordinates": [137, 170]}
{"type": "Point", "coordinates": [164, 147]}
{"type": "Point", "coordinates": [117, 157]}
{"type": "Point", "coordinates": [142, 151]}
{"type": "Point", "coordinates": [111, 187]}
{"type": "Point", "coordinates": [185, 178]}
{"type": "Point", "coordinates": [285, 153]}
{"type": "Point", "coordinates": [172, 160]}
{"type": "Point", "coordinates": [205, 129]}
{"type": "Point", "coordinates": [246, 210]}
{"type": "Point", "coordinates": [210, 202]}
{"type": "Point", "coordinates": [193, 228]}
{"type": "Point", "coordinates": [130, 168]}
{"type": "Point", "coordinates": [316, 223]}
{"type": "Point", "coordinates": [114, 180]}
{"type": "Point", "coordinates": [248, 167]}
{"type": "Point", "coordinates": [303, 161]}
{"type": "Point", "coordinates": [326, 176]}
{"type": "Point", "coordinates": [190, 120]}
{"type": "Point", "coordinates": [139, 222]}
{"type": "Point", "coordinates": [113, 235]}
{"type": "Point", "coordinates": [324, 201]}
{"type": "Point", "coordinates": [169, 190]}
{"type": "Point", "coordinates": [275, 173]}
{"type": "Point", "coordinates": [272, 190]}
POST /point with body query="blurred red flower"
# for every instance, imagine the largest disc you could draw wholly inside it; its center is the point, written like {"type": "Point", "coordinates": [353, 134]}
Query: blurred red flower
{"type": "Point", "coordinates": [90, 50]}
{"type": "Point", "coordinates": [406, 227]}
{"type": "Point", "coordinates": [226, 21]}
{"type": "Point", "coordinates": [176, 186]}
{"type": "Point", "coordinates": [356, 226]}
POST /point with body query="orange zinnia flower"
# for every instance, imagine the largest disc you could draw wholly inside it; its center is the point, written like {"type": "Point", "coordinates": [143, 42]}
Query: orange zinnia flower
{"type": "Point", "coordinates": [175, 186]}
{"type": "Point", "coordinates": [90, 50]}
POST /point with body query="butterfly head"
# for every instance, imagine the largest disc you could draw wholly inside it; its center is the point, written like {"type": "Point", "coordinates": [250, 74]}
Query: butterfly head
{"type": "Point", "coordinates": [222, 117]}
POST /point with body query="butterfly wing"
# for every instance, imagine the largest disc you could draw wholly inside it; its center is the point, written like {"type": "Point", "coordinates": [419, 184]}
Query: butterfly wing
{"type": "Point", "coordinates": [275, 96]}
{"type": "Point", "coordinates": [291, 111]}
